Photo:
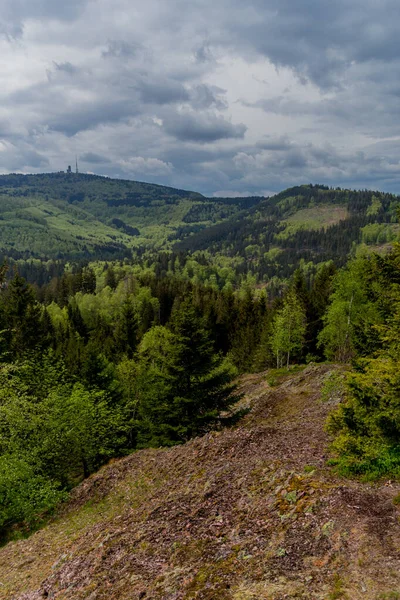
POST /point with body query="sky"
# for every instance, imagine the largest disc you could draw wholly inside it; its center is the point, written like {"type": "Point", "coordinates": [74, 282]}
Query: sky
{"type": "Point", "coordinates": [224, 97]}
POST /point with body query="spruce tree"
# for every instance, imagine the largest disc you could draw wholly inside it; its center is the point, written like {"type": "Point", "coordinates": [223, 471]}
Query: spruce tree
{"type": "Point", "coordinates": [22, 317]}
{"type": "Point", "coordinates": [183, 384]}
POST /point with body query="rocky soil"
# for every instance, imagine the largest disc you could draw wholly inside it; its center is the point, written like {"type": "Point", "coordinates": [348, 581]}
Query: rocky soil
{"type": "Point", "coordinates": [251, 512]}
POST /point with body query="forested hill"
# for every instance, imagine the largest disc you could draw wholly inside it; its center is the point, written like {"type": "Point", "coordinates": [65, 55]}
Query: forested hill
{"type": "Point", "coordinates": [68, 216]}
{"type": "Point", "coordinates": [310, 222]}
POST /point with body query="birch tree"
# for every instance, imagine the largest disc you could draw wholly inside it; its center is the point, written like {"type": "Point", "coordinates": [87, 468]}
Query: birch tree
{"type": "Point", "coordinates": [288, 330]}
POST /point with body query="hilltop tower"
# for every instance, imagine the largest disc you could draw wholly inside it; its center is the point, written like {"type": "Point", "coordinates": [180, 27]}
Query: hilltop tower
{"type": "Point", "coordinates": [76, 164]}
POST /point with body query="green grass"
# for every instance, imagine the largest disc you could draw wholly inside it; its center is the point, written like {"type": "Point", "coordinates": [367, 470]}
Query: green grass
{"type": "Point", "coordinates": [314, 218]}
{"type": "Point", "coordinates": [276, 376]}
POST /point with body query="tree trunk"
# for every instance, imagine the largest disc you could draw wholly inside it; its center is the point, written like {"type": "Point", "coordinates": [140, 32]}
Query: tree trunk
{"type": "Point", "coordinates": [85, 466]}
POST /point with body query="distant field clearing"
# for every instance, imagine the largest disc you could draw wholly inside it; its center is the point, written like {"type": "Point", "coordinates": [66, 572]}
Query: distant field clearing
{"type": "Point", "coordinates": [313, 218]}
{"type": "Point", "coordinates": [318, 216]}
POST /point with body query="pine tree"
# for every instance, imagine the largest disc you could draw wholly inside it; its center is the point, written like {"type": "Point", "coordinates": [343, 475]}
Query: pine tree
{"type": "Point", "coordinates": [184, 385]}
{"type": "Point", "coordinates": [126, 330]}
{"type": "Point", "coordinates": [88, 281]}
{"type": "Point", "coordinates": [110, 279]}
{"type": "Point", "coordinates": [23, 317]}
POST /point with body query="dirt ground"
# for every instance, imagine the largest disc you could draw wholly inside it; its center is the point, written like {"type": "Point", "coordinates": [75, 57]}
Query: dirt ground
{"type": "Point", "coordinates": [251, 512]}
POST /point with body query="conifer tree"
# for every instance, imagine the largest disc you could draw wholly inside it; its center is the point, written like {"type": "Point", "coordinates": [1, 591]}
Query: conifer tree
{"type": "Point", "coordinates": [110, 279]}
{"type": "Point", "coordinates": [88, 281]}
{"type": "Point", "coordinates": [184, 385]}
{"type": "Point", "coordinates": [126, 330]}
{"type": "Point", "coordinates": [22, 317]}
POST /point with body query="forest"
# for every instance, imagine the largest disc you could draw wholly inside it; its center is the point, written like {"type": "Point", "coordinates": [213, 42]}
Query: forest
{"type": "Point", "coordinates": [101, 358]}
{"type": "Point", "coordinates": [109, 358]}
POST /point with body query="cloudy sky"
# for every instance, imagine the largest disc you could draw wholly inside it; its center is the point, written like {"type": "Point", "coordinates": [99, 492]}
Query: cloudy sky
{"type": "Point", "coordinates": [226, 97]}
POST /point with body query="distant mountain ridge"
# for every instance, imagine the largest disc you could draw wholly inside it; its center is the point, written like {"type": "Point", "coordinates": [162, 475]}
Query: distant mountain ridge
{"type": "Point", "coordinates": [309, 223]}
{"type": "Point", "coordinates": [72, 216]}
{"type": "Point", "coordinates": [68, 215]}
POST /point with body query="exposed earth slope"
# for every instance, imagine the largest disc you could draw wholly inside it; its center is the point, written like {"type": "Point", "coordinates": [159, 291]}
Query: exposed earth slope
{"type": "Point", "coordinates": [247, 513]}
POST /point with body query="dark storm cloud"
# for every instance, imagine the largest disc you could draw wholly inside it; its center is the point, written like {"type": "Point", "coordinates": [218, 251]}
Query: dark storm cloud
{"type": "Point", "coordinates": [94, 159]}
{"type": "Point", "coordinates": [90, 115]}
{"type": "Point", "coordinates": [155, 91]}
{"type": "Point", "coordinates": [202, 129]}
{"type": "Point", "coordinates": [319, 39]}
{"type": "Point", "coordinates": [15, 12]}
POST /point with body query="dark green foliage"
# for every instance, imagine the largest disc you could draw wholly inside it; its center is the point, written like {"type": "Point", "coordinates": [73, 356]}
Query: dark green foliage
{"type": "Point", "coordinates": [23, 318]}
{"type": "Point", "coordinates": [265, 226]}
{"type": "Point", "coordinates": [85, 217]}
{"type": "Point", "coordinates": [183, 384]}
{"type": "Point", "coordinates": [110, 279]}
{"type": "Point", "coordinates": [88, 285]}
{"type": "Point", "coordinates": [95, 377]}
{"type": "Point", "coordinates": [126, 330]}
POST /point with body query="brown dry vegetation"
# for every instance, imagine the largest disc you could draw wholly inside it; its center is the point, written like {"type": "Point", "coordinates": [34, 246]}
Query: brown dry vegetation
{"type": "Point", "coordinates": [248, 513]}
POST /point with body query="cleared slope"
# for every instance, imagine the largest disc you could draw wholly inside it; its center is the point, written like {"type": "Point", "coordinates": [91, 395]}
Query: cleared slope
{"type": "Point", "coordinates": [247, 513]}
{"type": "Point", "coordinates": [304, 223]}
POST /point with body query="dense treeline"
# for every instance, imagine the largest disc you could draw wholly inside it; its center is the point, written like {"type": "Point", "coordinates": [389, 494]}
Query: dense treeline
{"type": "Point", "coordinates": [265, 227]}
{"type": "Point", "coordinates": [362, 326]}
{"type": "Point", "coordinates": [108, 358]}
{"type": "Point", "coordinates": [112, 360]}
{"type": "Point", "coordinates": [78, 217]}
{"type": "Point", "coordinates": [99, 359]}
{"type": "Point", "coordinates": [74, 216]}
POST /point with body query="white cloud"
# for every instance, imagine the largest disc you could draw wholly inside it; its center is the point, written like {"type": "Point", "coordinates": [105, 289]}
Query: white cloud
{"type": "Point", "coordinates": [149, 166]}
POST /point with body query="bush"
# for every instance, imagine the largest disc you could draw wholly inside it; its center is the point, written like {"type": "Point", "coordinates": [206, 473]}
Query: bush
{"type": "Point", "coordinates": [25, 497]}
{"type": "Point", "coordinates": [367, 425]}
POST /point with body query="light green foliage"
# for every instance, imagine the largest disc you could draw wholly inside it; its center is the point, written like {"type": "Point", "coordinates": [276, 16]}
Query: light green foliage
{"type": "Point", "coordinates": [351, 317]}
{"type": "Point", "coordinates": [109, 305]}
{"type": "Point", "coordinates": [374, 207]}
{"type": "Point", "coordinates": [126, 373]}
{"type": "Point", "coordinates": [52, 435]}
{"type": "Point", "coordinates": [367, 425]}
{"type": "Point", "coordinates": [25, 496]}
{"type": "Point", "coordinates": [288, 330]}
{"type": "Point", "coordinates": [378, 233]}
{"type": "Point", "coordinates": [313, 218]}
{"type": "Point", "coordinates": [58, 315]}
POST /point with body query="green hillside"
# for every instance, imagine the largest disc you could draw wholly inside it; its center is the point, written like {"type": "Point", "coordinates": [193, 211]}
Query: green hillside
{"type": "Point", "coordinates": [170, 437]}
{"type": "Point", "coordinates": [61, 215]}
{"type": "Point", "coordinates": [67, 216]}
{"type": "Point", "coordinates": [309, 223]}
